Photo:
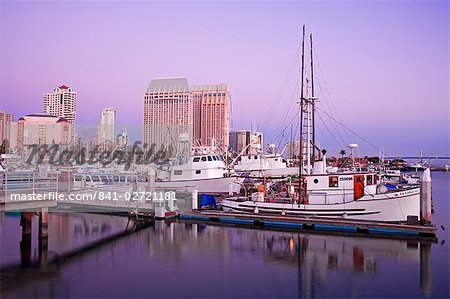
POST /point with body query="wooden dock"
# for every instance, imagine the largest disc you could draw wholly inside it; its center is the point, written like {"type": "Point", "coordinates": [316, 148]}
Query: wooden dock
{"type": "Point", "coordinates": [313, 223]}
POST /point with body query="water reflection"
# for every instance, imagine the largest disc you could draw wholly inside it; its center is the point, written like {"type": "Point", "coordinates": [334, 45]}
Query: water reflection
{"type": "Point", "coordinates": [181, 259]}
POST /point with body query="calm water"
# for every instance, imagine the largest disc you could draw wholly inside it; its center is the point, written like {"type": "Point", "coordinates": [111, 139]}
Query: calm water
{"type": "Point", "coordinates": [178, 259]}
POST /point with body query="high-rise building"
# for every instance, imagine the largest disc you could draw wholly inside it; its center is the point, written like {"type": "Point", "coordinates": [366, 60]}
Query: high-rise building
{"type": "Point", "coordinates": [106, 126]}
{"type": "Point", "coordinates": [167, 112]}
{"type": "Point", "coordinates": [5, 119]}
{"type": "Point", "coordinates": [62, 103]}
{"type": "Point", "coordinates": [211, 104]}
{"type": "Point", "coordinates": [42, 128]}
{"type": "Point", "coordinates": [246, 142]}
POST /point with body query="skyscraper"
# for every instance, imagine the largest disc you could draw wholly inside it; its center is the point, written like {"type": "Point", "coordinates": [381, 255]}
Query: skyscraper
{"type": "Point", "coordinates": [167, 112]}
{"type": "Point", "coordinates": [62, 103]}
{"type": "Point", "coordinates": [106, 125]}
{"type": "Point", "coordinates": [211, 115]}
{"type": "Point", "coordinates": [5, 119]}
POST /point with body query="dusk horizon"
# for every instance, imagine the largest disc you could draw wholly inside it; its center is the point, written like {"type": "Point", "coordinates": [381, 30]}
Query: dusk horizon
{"type": "Point", "coordinates": [380, 70]}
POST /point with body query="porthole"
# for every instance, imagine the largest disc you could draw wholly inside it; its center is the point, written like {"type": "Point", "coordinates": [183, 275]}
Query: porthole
{"type": "Point", "coordinates": [316, 181]}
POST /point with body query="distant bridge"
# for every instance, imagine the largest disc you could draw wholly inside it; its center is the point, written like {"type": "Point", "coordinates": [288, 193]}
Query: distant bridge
{"type": "Point", "coordinates": [423, 158]}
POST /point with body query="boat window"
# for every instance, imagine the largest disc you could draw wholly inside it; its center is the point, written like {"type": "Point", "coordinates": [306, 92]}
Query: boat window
{"type": "Point", "coordinates": [209, 158]}
{"type": "Point", "coordinates": [369, 179]}
{"type": "Point", "coordinates": [198, 171]}
{"type": "Point", "coordinates": [196, 159]}
{"type": "Point", "coordinates": [203, 159]}
{"type": "Point", "coordinates": [95, 178]}
{"type": "Point", "coordinates": [88, 178]}
{"type": "Point", "coordinates": [239, 159]}
{"type": "Point", "coordinates": [333, 181]}
{"type": "Point", "coordinates": [78, 177]}
{"type": "Point", "coordinates": [178, 172]}
{"type": "Point", "coordinates": [215, 158]}
{"type": "Point", "coordinates": [276, 159]}
{"type": "Point", "coordinates": [316, 181]}
{"type": "Point", "coordinates": [256, 157]}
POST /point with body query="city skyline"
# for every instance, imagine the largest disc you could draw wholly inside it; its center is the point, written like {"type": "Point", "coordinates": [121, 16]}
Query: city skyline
{"type": "Point", "coordinates": [394, 65]}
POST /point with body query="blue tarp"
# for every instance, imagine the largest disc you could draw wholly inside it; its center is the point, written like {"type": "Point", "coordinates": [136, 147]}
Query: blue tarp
{"type": "Point", "coordinates": [208, 200]}
{"type": "Point", "coordinates": [390, 186]}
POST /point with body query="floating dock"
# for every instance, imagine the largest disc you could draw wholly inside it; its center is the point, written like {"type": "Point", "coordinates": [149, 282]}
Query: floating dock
{"type": "Point", "coordinates": [312, 224]}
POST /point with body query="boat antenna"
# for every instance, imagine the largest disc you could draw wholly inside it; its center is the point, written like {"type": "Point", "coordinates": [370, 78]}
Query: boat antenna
{"type": "Point", "coordinates": [312, 97]}
{"type": "Point", "coordinates": [301, 116]}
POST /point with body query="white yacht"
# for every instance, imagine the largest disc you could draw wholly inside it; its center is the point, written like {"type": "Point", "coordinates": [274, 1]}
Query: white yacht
{"type": "Point", "coordinates": [205, 173]}
{"type": "Point", "coordinates": [264, 165]}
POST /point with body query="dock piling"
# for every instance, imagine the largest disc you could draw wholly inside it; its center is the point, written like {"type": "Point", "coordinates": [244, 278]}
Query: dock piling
{"type": "Point", "coordinates": [425, 197]}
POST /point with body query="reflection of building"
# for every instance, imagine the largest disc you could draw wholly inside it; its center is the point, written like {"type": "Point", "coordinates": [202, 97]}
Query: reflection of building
{"type": "Point", "coordinates": [167, 111]}
{"type": "Point", "coordinates": [106, 126]}
{"type": "Point", "coordinates": [42, 128]}
{"type": "Point", "coordinates": [251, 142]}
{"type": "Point", "coordinates": [61, 103]}
{"type": "Point", "coordinates": [211, 115]}
{"type": "Point", "coordinates": [5, 119]}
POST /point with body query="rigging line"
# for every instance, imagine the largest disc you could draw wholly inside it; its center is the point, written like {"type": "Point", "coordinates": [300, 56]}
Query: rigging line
{"type": "Point", "coordinates": [328, 92]}
{"type": "Point", "coordinates": [329, 131]}
{"type": "Point", "coordinates": [337, 128]}
{"type": "Point", "coordinates": [291, 102]}
{"type": "Point", "coordinates": [287, 126]}
{"type": "Point", "coordinates": [282, 88]}
{"type": "Point", "coordinates": [362, 138]}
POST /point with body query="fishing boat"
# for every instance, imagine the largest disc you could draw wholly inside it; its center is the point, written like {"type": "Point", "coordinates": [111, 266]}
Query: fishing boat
{"type": "Point", "coordinates": [205, 173]}
{"type": "Point", "coordinates": [317, 192]}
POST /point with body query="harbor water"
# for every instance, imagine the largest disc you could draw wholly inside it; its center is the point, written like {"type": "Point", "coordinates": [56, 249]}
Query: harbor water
{"type": "Point", "coordinates": [187, 259]}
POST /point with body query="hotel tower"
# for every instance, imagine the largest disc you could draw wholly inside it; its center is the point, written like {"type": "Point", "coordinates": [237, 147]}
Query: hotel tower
{"type": "Point", "coordinates": [172, 107]}
{"type": "Point", "coordinates": [61, 103]}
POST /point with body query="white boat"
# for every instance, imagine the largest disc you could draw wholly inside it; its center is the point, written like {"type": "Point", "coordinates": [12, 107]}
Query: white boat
{"type": "Point", "coordinates": [353, 195]}
{"type": "Point", "coordinates": [205, 173]}
{"type": "Point", "coordinates": [264, 165]}
{"type": "Point", "coordinates": [339, 195]}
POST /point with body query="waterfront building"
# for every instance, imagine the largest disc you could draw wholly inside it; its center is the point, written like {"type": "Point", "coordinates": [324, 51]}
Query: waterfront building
{"type": "Point", "coordinates": [247, 142]}
{"type": "Point", "coordinates": [211, 108]}
{"type": "Point", "coordinates": [106, 126]}
{"type": "Point", "coordinates": [43, 128]}
{"type": "Point", "coordinates": [168, 111]}
{"type": "Point", "coordinates": [5, 119]}
{"type": "Point", "coordinates": [62, 103]}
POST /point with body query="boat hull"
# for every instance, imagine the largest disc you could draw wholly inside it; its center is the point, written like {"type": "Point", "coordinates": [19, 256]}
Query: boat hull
{"type": "Point", "coordinates": [214, 185]}
{"type": "Point", "coordinates": [389, 207]}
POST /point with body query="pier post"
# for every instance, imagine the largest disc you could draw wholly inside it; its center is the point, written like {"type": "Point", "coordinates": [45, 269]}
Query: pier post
{"type": "Point", "coordinates": [43, 223]}
{"type": "Point", "coordinates": [425, 197]}
{"type": "Point", "coordinates": [194, 200]}
{"type": "Point", "coordinates": [25, 243]}
{"type": "Point", "coordinates": [151, 180]}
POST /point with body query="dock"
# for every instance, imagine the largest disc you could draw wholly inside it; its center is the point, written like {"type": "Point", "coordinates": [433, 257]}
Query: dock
{"type": "Point", "coordinates": [313, 224]}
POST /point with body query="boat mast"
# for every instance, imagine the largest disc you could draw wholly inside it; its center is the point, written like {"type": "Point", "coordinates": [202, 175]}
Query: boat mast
{"type": "Point", "coordinates": [300, 166]}
{"type": "Point", "coordinates": [312, 99]}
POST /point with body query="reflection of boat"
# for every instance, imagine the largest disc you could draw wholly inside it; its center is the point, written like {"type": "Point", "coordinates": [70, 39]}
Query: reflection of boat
{"type": "Point", "coordinates": [317, 192]}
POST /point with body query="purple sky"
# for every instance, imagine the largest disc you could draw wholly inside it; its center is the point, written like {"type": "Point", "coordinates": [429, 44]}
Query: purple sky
{"type": "Point", "coordinates": [385, 63]}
